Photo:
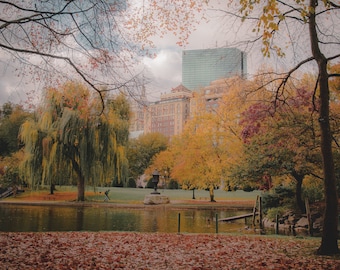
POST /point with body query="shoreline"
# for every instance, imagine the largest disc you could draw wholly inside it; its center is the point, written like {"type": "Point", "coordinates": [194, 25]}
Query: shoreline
{"type": "Point", "coordinates": [174, 204]}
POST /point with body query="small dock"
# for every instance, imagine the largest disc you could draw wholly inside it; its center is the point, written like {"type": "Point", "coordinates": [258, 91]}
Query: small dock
{"type": "Point", "coordinates": [236, 217]}
{"type": "Point", "coordinates": [257, 211]}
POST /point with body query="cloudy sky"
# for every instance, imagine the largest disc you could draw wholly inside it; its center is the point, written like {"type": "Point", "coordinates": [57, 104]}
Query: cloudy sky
{"type": "Point", "coordinates": [164, 71]}
{"type": "Point", "coordinates": [166, 68]}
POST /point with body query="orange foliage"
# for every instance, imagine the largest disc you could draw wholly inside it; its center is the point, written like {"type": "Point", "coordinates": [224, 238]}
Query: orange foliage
{"type": "Point", "coordinates": [113, 250]}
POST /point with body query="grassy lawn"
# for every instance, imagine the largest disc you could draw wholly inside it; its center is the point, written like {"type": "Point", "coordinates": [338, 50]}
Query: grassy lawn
{"type": "Point", "coordinates": [135, 195]}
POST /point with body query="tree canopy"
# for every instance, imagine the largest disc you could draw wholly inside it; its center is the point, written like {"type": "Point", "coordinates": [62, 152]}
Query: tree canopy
{"type": "Point", "coordinates": [286, 142]}
{"type": "Point", "coordinates": [142, 150]}
{"type": "Point", "coordinates": [71, 140]}
{"type": "Point", "coordinates": [11, 118]}
{"type": "Point", "coordinates": [314, 42]}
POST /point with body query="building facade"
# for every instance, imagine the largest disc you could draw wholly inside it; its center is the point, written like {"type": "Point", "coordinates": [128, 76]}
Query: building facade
{"type": "Point", "coordinates": [138, 103]}
{"type": "Point", "coordinates": [137, 118]}
{"type": "Point", "coordinates": [168, 115]}
{"type": "Point", "coordinates": [206, 75]}
{"type": "Point", "coordinates": [207, 98]}
{"type": "Point", "coordinates": [201, 67]}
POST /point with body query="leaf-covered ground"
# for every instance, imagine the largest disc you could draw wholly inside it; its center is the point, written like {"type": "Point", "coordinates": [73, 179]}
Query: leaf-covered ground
{"type": "Point", "coordinates": [116, 250]}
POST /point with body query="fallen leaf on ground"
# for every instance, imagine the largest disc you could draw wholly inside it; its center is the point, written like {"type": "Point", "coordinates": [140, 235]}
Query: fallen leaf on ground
{"type": "Point", "coordinates": [126, 250]}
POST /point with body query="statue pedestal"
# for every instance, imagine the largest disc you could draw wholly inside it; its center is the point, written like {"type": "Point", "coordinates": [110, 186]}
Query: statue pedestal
{"type": "Point", "coordinates": [156, 199]}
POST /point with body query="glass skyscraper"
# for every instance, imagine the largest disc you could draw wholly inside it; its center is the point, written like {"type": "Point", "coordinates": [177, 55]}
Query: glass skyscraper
{"type": "Point", "coordinates": [200, 67]}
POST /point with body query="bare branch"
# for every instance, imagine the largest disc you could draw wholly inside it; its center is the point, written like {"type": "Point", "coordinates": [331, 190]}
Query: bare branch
{"type": "Point", "coordinates": [333, 4]}
{"type": "Point", "coordinates": [71, 63]}
{"type": "Point", "coordinates": [333, 57]}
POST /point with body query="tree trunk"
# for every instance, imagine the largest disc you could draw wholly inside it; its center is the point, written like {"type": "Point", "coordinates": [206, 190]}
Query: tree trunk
{"type": "Point", "coordinates": [193, 194]}
{"type": "Point", "coordinates": [81, 189]}
{"type": "Point", "coordinates": [329, 242]}
{"type": "Point", "coordinates": [81, 181]}
{"type": "Point", "coordinates": [211, 193]}
{"type": "Point", "coordinates": [298, 191]}
{"type": "Point", "coordinates": [52, 188]}
{"type": "Point", "coordinates": [298, 195]}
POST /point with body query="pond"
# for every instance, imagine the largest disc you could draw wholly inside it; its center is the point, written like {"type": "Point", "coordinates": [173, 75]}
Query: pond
{"type": "Point", "coordinates": [28, 218]}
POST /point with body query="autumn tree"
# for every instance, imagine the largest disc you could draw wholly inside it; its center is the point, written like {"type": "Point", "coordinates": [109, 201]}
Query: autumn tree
{"type": "Point", "coordinates": [314, 21]}
{"type": "Point", "coordinates": [164, 163]}
{"type": "Point", "coordinates": [235, 99]}
{"type": "Point", "coordinates": [11, 118]}
{"type": "Point", "coordinates": [200, 155]}
{"type": "Point", "coordinates": [70, 137]}
{"type": "Point", "coordinates": [211, 143]}
{"type": "Point", "coordinates": [281, 142]}
{"type": "Point", "coordinates": [9, 170]}
{"type": "Point", "coordinates": [141, 151]}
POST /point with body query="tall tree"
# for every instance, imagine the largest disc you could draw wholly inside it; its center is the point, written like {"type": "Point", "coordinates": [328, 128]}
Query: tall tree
{"type": "Point", "coordinates": [71, 137]}
{"type": "Point", "coordinates": [142, 150]}
{"type": "Point", "coordinates": [200, 154]}
{"type": "Point", "coordinates": [266, 134]}
{"type": "Point", "coordinates": [164, 163]}
{"type": "Point", "coordinates": [270, 21]}
{"type": "Point", "coordinates": [211, 142]}
{"type": "Point", "coordinates": [9, 170]}
{"type": "Point", "coordinates": [12, 116]}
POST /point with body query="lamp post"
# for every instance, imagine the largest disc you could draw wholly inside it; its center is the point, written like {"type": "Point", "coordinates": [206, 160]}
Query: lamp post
{"type": "Point", "coordinates": [193, 193]}
{"type": "Point", "coordinates": [165, 179]}
{"type": "Point", "coordinates": [155, 197]}
{"type": "Point", "coordinates": [155, 180]}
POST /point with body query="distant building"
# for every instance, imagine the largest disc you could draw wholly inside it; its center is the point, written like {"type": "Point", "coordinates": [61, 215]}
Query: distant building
{"type": "Point", "coordinates": [138, 104]}
{"type": "Point", "coordinates": [208, 97]}
{"type": "Point", "coordinates": [168, 115]}
{"type": "Point", "coordinates": [137, 118]}
{"type": "Point", "coordinates": [200, 67]}
{"type": "Point", "coordinates": [204, 75]}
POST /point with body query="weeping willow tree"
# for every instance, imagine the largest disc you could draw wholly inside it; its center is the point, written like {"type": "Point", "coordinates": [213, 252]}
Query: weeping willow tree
{"type": "Point", "coordinates": [71, 142]}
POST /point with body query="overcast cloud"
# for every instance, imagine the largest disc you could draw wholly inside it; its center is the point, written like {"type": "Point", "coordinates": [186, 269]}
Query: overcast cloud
{"type": "Point", "coordinates": [163, 72]}
{"type": "Point", "coordinates": [11, 86]}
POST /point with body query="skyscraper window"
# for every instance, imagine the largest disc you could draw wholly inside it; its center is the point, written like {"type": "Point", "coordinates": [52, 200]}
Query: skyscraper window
{"type": "Point", "coordinates": [200, 67]}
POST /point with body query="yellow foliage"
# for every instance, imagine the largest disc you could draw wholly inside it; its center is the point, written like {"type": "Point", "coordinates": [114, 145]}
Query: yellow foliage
{"type": "Point", "coordinates": [46, 121]}
{"type": "Point", "coordinates": [29, 134]}
{"type": "Point", "coordinates": [210, 142]}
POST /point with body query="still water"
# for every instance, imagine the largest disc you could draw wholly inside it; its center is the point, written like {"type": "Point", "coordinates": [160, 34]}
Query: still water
{"type": "Point", "coordinates": [25, 218]}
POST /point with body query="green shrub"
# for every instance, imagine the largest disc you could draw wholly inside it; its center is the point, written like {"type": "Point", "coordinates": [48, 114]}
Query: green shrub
{"type": "Point", "coordinates": [131, 183]}
{"type": "Point", "coordinates": [10, 177]}
{"type": "Point", "coordinates": [248, 188]}
{"type": "Point", "coordinates": [270, 200]}
{"type": "Point", "coordinates": [278, 196]}
{"type": "Point", "coordinates": [149, 184]}
{"type": "Point", "coordinates": [116, 183]}
{"type": "Point", "coordinates": [284, 192]}
{"type": "Point", "coordinates": [313, 189]}
{"type": "Point", "coordinates": [313, 194]}
{"type": "Point", "coordinates": [173, 184]}
{"type": "Point", "coordinates": [272, 212]}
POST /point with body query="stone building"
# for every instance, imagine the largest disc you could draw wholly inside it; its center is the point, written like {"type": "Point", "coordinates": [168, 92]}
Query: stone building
{"type": "Point", "coordinates": [168, 115]}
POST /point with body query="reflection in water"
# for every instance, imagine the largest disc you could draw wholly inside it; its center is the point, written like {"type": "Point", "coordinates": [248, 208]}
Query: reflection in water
{"type": "Point", "coordinates": [80, 219]}
{"type": "Point", "coordinates": [24, 218]}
